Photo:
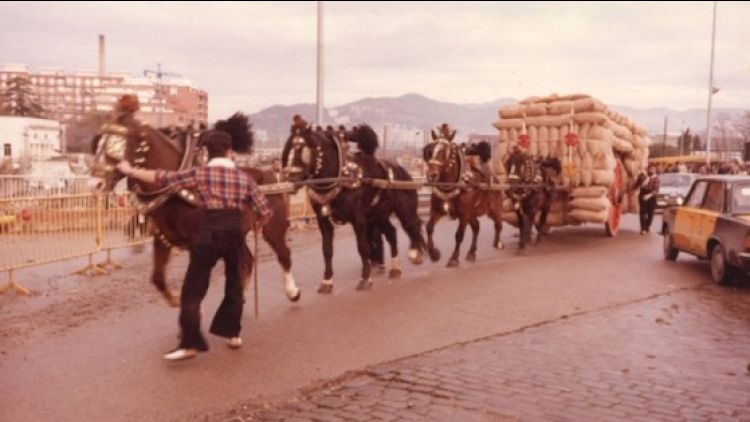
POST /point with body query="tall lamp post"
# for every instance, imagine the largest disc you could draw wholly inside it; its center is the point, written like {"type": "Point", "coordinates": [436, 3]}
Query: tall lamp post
{"type": "Point", "coordinates": [711, 90]}
{"type": "Point", "coordinates": [320, 65]}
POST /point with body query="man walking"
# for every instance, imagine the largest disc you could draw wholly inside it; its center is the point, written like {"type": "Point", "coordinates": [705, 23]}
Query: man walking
{"type": "Point", "coordinates": [649, 188]}
{"type": "Point", "coordinates": [224, 191]}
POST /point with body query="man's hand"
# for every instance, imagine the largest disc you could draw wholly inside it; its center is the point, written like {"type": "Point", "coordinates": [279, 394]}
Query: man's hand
{"type": "Point", "coordinates": [125, 168]}
{"type": "Point", "coordinates": [648, 196]}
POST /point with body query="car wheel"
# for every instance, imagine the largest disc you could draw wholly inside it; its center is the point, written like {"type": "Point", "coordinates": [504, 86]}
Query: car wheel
{"type": "Point", "coordinates": [670, 252]}
{"type": "Point", "coordinates": [721, 272]}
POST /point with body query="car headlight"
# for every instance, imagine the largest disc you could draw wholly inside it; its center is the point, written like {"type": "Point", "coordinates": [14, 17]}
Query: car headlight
{"type": "Point", "coordinates": [679, 200]}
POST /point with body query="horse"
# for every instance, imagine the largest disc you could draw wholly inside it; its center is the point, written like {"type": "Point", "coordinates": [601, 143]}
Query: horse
{"type": "Point", "coordinates": [174, 215]}
{"type": "Point", "coordinates": [448, 165]}
{"type": "Point", "coordinates": [532, 190]}
{"type": "Point", "coordinates": [345, 198]}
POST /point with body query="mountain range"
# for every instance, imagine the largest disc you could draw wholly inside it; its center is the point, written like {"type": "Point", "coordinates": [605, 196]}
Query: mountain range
{"type": "Point", "coordinates": [408, 115]}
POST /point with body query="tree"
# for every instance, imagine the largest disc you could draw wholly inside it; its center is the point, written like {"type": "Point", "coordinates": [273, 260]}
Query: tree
{"type": "Point", "coordinates": [697, 143]}
{"type": "Point", "coordinates": [723, 129]}
{"type": "Point", "coordinates": [685, 142]}
{"type": "Point", "coordinates": [79, 134]}
{"type": "Point", "coordinates": [17, 99]}
{"type": "Point", "coordinates": [742, 125]}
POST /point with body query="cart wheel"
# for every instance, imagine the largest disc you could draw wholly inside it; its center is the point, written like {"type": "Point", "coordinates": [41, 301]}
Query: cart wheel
{"type": "Point", "coordinates": [612, 225]}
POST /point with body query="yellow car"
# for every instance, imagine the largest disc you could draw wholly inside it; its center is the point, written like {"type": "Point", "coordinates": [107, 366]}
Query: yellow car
{"type": "Point", "coordinates": [713, 223]}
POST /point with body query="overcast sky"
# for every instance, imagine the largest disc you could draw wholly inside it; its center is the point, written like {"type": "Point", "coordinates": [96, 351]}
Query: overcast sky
{"type": "Point", "coordinates": [252, 55]}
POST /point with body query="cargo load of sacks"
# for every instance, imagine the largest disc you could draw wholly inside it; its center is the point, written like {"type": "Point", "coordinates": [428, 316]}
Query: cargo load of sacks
{"type": "Point", "coordinates": [605, 139]}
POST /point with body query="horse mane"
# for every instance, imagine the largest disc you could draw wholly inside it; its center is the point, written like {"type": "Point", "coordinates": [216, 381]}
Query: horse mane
{"type": "Point", "coordinates": [553, 162]}
{"type": "Point", "coordinates": [239, 128]}
{"type": "Point", "coordinates": [366, 139]}
{"type": "Point", "coordinates": [482, 149]}
{"type": "Point", "coordinates": [95, 142]}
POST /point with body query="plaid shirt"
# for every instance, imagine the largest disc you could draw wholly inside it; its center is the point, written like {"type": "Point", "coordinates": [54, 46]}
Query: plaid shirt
{"type": "Point", "coordinates": [218, 187]}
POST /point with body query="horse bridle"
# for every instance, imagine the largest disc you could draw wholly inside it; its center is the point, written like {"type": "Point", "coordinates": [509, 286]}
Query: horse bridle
{"type": "Point", "coordinates": [454, 157]}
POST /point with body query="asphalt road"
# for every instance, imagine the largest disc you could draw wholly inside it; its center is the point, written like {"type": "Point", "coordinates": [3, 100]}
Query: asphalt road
{"type": "Point", "coordinates": [89, 349]}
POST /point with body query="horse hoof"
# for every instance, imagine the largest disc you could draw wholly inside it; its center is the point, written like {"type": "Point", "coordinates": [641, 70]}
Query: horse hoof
{"type": "Point", "coordinates": [296, 297]}
{"type": "Point", "coordinates": [364, 285]}
{"type": "Point", "coordinates": [394, 273]}
{"type": "Point", "coordinates": [435, 255]}
{"type": "Point", "coordinates": [416, 258]}
{"type": "Point", "coordinates": [500, 246]}
{"type": "Point", "coordinates": [325, 288]}
{"type": "Point", "coordinates": [471, 257]}
{"type": "Point", "coordinates": [453, 263]}
{"type": "Point", "coordinates": [174, 301]}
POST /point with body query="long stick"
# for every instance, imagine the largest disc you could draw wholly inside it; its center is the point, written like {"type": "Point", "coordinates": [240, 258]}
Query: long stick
{"type": "Point", "coordinates": [256, 273]}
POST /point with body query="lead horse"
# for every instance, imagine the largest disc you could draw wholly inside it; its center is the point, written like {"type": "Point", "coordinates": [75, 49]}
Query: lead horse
{"type": "Point", "coordinates": [459, 195]}
{"type": "Point", "coordinates": [340, 194]}
{"type": "Point", "coordinates": [174, 215]}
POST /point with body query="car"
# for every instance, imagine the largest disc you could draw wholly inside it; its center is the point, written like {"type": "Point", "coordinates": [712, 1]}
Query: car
{"type": "Point", "coordinates": [673, 188]}
{"type": "Point", "coordinates": [713, 224]}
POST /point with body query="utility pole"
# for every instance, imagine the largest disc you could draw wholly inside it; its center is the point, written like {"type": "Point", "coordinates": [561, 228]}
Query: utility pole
{"type": "Point", "coordinates": [711, 91]}
{"type": "Point", "coordinates": [321, 68]}
{"type": "Point", "coordinates": [159, 75]}
{"type": "Point", "coordinates": [664, 139]}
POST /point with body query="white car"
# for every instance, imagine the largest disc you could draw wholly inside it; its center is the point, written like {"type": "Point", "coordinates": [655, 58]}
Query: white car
{"type": "Point", "coordinates": [673, 188]}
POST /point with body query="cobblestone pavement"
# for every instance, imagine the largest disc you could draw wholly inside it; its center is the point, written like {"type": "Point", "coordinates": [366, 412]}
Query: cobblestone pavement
{"type": "Point", "coordinates": [677, 357]}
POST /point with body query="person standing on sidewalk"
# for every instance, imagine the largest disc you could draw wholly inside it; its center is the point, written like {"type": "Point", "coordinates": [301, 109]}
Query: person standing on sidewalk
{"type": "Point", "coordinates": [649, 188]}
{"type": "Point", "coordinates": [224, 191]}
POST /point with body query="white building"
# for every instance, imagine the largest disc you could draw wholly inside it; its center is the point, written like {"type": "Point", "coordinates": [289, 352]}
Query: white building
{"type": "Point", "coordinates": [29, 138]}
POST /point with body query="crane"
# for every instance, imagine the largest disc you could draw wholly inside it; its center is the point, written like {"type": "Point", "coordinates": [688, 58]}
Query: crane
{"type": "Point", "coordinates": [159, 74]}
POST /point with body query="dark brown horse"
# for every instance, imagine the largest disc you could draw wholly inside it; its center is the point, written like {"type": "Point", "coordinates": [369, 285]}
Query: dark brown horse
{"type": "Point", "coordinates": [532, 190]}
{"type": "Point", "coordinates": [174, 215]}
{"type": "Point", "coordinates": [448, 165]}
{"type": "Point", "coordinates": [340, 194]}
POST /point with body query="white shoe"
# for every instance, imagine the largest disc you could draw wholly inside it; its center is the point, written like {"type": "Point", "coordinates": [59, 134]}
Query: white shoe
{"type": "Point", "coordinates": [181, 354]}
{"type": "Point", "coordinates": [235, 342]}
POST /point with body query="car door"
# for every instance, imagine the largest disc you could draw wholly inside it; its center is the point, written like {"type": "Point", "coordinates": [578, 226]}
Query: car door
{"type": "Point", "coordinates": [682, 232]}
{"type": "Point", "coordinates": [706, 216]}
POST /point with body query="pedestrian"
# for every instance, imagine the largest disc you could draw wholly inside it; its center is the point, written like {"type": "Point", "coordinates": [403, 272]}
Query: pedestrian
{"type": "Point", "coordinates": [649, 188]}
{"type": "Point", "coordinates": [224, 191]}
{"type": "Point", "coordinates": [276, 167]}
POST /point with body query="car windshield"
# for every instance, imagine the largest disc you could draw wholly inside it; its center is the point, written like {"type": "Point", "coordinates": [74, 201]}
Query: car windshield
{"type": "Point", "coordinates": [741, 199]}
{"type": "Point", "coordinates": [673, 180]}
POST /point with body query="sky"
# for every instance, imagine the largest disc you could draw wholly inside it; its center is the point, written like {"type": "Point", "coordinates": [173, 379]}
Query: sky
{"type": "Point", "coordinates": [250, 56]}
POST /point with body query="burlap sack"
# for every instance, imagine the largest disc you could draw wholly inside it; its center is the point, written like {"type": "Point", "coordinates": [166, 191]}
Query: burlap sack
{"type": "Point", "coordinates": [585, 105]}
{"type": "Point", "coordinates": [581, 215]}
{"type": "Point", "coordinates": [590, 204]}
{"type": "Point", "coordinates": [512, 111]}
{"type": "Point", "coordinates": [592, 117]}
{"type": "Point", "coordinates": [560, 107]}
{"type": "Point", "coordinates": [589, 192]}
{"type": "Point", "coordinates": [603, 177]}
{"type": "Point", "coordinates": [508, 124]}
{"type": "Point", "coordinates": [538, 109]}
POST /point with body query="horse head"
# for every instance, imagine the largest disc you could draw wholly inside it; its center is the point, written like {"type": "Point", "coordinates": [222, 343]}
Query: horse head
{"type": "Point", "coordinates": [297, 155]}
{"type": "Point", "coordinates": [442, 155]}
{"type": "Point", "coordinates": [521, 169]}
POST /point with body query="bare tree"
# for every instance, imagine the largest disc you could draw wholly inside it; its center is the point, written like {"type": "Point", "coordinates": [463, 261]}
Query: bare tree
{"type": "Point", "coordinates": [723, 128]}
{"type": "Point", "coordinates": [80, 134]}
{"type": "Point", "coordinates": [741, 125]}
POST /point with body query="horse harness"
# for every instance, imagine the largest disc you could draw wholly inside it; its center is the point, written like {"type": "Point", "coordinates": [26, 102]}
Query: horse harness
{"type": "Point", "coordinates": [531, 172]}
{"type": "Point", "coordinates": [455, 158]}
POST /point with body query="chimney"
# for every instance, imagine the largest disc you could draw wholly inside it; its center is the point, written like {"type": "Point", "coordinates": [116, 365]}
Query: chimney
{"type": "Point", "coordinates": [102, 72]}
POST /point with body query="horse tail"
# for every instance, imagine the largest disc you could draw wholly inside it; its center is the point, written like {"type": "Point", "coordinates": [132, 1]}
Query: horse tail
{"type": "Point", "coordinates": [239, 128]}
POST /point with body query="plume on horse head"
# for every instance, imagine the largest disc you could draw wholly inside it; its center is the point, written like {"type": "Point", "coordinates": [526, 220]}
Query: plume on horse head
{"type": "Point", "coordinates": [481, 149]}
{"type": "Point", "coordinates": [240, 129]}
{"type": "Point", "coordinates": [366, 139]}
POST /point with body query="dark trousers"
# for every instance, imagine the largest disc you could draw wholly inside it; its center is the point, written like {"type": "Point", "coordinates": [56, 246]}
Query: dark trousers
{"type": "Point", "coordinates": [647, 210]}
{"type": "Point", "coordinates": [219, 237]}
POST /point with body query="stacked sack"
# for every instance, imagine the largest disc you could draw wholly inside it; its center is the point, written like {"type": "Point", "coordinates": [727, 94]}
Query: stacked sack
{"type": "Point", "coordinates": [605, 139]}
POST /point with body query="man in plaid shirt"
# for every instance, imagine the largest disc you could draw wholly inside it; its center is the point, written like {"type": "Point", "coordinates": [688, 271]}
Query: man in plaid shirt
{"type": "Point", "coordinates": [224, 191]}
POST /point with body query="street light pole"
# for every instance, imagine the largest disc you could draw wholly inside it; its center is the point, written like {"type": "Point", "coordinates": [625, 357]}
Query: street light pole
{"type": "Point", "coordinates": [320, 65]}
{"type": "Point", "coordinates": [710, 90]}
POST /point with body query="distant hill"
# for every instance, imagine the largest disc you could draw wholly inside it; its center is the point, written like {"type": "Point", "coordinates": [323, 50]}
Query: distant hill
{"type": "Point", "coordinates": [411, 113]}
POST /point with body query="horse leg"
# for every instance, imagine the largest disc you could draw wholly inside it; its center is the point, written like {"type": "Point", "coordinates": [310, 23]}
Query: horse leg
{"type": "Point", "coordinates": [496, 213]}
{"type": "Point", "coordinates": [390, 234]}
{"type": "Point", "coordinates": [158, 274]}
{"type": "Point", "coordinates": [275, 236]}
{"type": "Point", "coordinates": [363, 247]}
{"type": "Point", "coordinates": [521, 233]}
{"type": "Point", "coordinates": [453, 262]}
{"type": "Point", "coordinates": [430, 228]}
{"type": "Point", "coordinates": [377, 250]}
{"type": "Point", "coordinates": [326, 231]}
{"type": "Point", "coordinates": [472, 255]}
{"type": "Point", "coordinates": [412, 225]}
{"type": "Point", "coordinates": [541, 225]}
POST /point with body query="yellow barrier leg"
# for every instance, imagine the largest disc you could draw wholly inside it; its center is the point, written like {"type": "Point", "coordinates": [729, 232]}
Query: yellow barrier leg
{"type": "Point", "coordinates": [97, 270]}
{"type": "Point", "coordinates": [109, 261]}
{"type": "Point", "coordinates": [11, 284]}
